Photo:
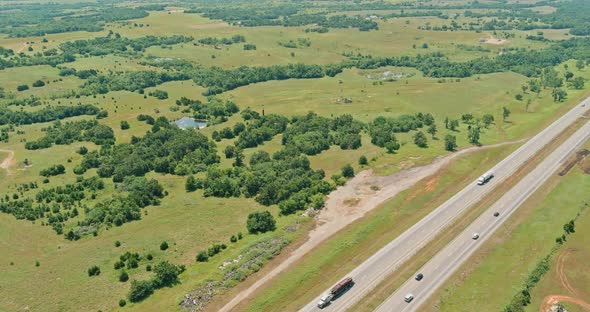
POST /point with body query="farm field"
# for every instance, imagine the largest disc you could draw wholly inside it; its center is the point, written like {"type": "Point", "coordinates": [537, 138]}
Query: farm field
{"type": "Point", "coordinates": [296, 99]}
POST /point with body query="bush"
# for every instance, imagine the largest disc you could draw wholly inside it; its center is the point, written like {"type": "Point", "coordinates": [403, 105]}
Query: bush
{"type": "Point", "coordinates": [164, 245]}
{"type": "Point", "coordinates": [149, 257]}
{"type": "Point", "coordinates": [347, 171]}
{"type": "Point", "coordinates": [166, 274]}
{"type": "Point", "coordinates": [202, 256]}
{"type": "Point", "coordinates": [124, 125]}
{"type": "Point", "coordinates": [93, 271]}
{"type": "Point", "coordinates": [260, 222]}
{"type": "Point", "coordinates": [22, 88]}
{"type": "Point", "coordinates": [123, 277]}
{"type": "Point", "coordinates": [83, 150]}
{"type": "Point", "coordinates": [119, 264]}
{"type": "Point", "coordinates": [363, 160]}
{"type": "Point", "coordinates": [117, 243]}
{"type": "Point", "coordinates": [191, 184]}
{"type": "Point", "coordinates": [38, 83]}
{"type": "Point", "coordinates": [122, 302]}
{"type": "Point", "coordinates": [233, 239]}
{"type": "Point", "coordinates": [148, 268]}
{"type": "Point", "coordinates": [140, 290]}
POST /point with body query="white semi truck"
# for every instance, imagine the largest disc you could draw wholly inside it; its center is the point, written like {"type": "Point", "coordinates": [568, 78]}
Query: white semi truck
{"type": "Point", "coordinates": [336, 291]}
{"type": "Point", "coordinates": [485, 178]}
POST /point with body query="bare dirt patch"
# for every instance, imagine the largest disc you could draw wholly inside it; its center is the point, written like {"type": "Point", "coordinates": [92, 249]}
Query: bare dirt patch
{"type": "Point", "coordinates": [370, 191]}
{"type": "Point", "coordinates": [552, 300]}
{"type": "Point", "coordinates": [9, 161]}
{"type": "Point", "coordinates": [574, 159]}
{"type": "Point", "coordinates": [492, 40]}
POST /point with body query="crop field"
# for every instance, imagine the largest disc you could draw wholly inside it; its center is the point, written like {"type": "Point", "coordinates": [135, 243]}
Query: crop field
{"type": "Point", "coordinates": [93, 171]}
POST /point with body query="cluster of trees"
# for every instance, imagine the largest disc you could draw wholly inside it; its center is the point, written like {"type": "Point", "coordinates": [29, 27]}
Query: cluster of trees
{"type": "Point", "coordinates": [215, 111]}
{"type": "Point", "coordinates": [66, 133]}
{"type": "Point", "coordinates": [227, 41]}
{"type": "Point", "coordinates": [41, 19]}
{"type": "Point", "coordinates": [260, 128]}
{"type": "Point", "coordinates": [165, 149]}
{"type": "Point", "coordinates": [166, 275]}
{"type": "Point", "coordinates": [115, 44]}
{"type": "Point", "coordinates": [382, 129]}
{"type": "Point", "coordinates": [311, 134]}
{"type": "Point", "coordinates": [53, 171]}
{"type": "Point", "coordinates": [285, 179]}
{"type": "Point", "coordinates": [49, 113]}
{"type": "Point", "coordinates": [299, 43]}
{"type": "Point", "coordinates": [122, 208]}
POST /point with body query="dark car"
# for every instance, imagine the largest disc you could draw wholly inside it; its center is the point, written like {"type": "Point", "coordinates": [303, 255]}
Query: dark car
{"type": "Point", "coordinates": [496, 214]}
{"type": "Point", "coordinates": [419, 276]}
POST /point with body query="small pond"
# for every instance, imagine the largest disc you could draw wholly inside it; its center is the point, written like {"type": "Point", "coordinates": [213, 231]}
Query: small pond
{"type": "Point", "coordinates": [187, 122]}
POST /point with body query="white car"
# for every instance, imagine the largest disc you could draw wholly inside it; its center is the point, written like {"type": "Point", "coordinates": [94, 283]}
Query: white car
{"type": "Point", "coordinates": [475, 236]}
{"type": "Point", "coordinates": [408, 298]}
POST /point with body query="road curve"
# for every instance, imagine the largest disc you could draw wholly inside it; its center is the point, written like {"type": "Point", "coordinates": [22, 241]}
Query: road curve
{"type": "Point", "coordinates": [385, 261]}
{"type": "Point", "coordinates": [451, 257]}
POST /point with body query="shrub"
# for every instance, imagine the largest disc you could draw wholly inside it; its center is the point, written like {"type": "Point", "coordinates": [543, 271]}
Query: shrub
{"type": "Point", "coordinates": [149, 257]}
{"type": "Point", "coordinates": [363, 160]}
{"type": "Point", "coordinates": [117, 243]}
{"type": "Point", "coordinates": [124, 125]}
{"type": "Point", "coordinates": [122, 302]}
{"type": "Point", "coordinates": [140, 290]}
{"type": "Point", "coordinates": [22, 88]}
{"type": "Point", "coordinates": [38, 83]}
{"type": "Point", "coordinates": [123, 277]}
{"type": "Point", "coordinates": [233, 239]}
{"type": "Point", "coordinates": [119, 264]}
{"type": "Point", "coordinates": [148, 268]}
{"type": "Point", "coordinates": [260, 222]}
{"type": "Point", "coordinates": [202, 256]}
{"type": "Point", "coordinates": [93, 270]}
{"type": "Point", "coordinates": [347, 171]}
{"type": "Point", "coordinates": [164, 245]}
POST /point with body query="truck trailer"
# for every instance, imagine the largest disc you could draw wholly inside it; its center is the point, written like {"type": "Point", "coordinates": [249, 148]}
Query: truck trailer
{"type": "Point", "coordinates": [337, 290]}
{"type": "Point", "coordinates": [485, 178]}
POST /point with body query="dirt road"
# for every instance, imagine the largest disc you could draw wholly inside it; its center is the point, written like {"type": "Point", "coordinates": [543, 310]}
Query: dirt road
{"type": "Point", "coordinates": [350, 202]}
{"type": "Point", "coordinates": [551, 300]}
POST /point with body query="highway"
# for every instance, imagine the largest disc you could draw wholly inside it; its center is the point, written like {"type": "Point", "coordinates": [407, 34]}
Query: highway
{"type": "Point", "coordinates": [385, 261]}
{"type": "Point", "coordinates": [457, 252]}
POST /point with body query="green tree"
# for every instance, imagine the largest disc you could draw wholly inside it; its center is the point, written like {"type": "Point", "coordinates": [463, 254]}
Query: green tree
{"type": "Point", "coordinates": [230, 151]}
{"type": "Point", "coordinates": [191, 184]}
{"type": "Point", "coordinates": [535, 86]}
{"type": "Point", "coordinates": [348, 171]}
{"type": "Point", "coordinates": [568, 75]}
{"type": "Point", "coordinates": [93, 270]}
{"type": "Point", "coordinates": [166, 274]}
{"type": "Point", "coordinates": [450, 142]}
{"type": "Point", "coordinates": [569, 227]}
{"type": "Point", "coordinates": [487, 120]}
{"type": "Point", "coordinates": [260, 222]}
{"type": "Point", "coordinates": [363, 160]}
{"type": "Point", "coordinates": [124, 125]}
{"type": "Point", "coordinates": [164, 245]}
{"type": "Point", "coordinates": [578, 83]}
{"type": "Point", "coordinates": [558, 94]}
{"type": "Point", "coordinates": [239, 158]}
{"type": "Point", "coordinates": [580, 64]}
{"type": "Point", "coordinates": [140, 290]}
{"type": "Point", "coordinates": [122, 303]}
{"type": "Point", "coordinates": [123, 277]}
{"type": "Point", "coordinates": [505, 113]}
{"type": "Point", "coordinates": [473, 135]}
{"type": "Point", "coordinates": [202, 256]}
{"type": "Point", "coordinates": [446, 122]}
{"type": "Point", "coordinates": [420, 139]}
{"type": "Point", "coordinates": [432, 130]}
